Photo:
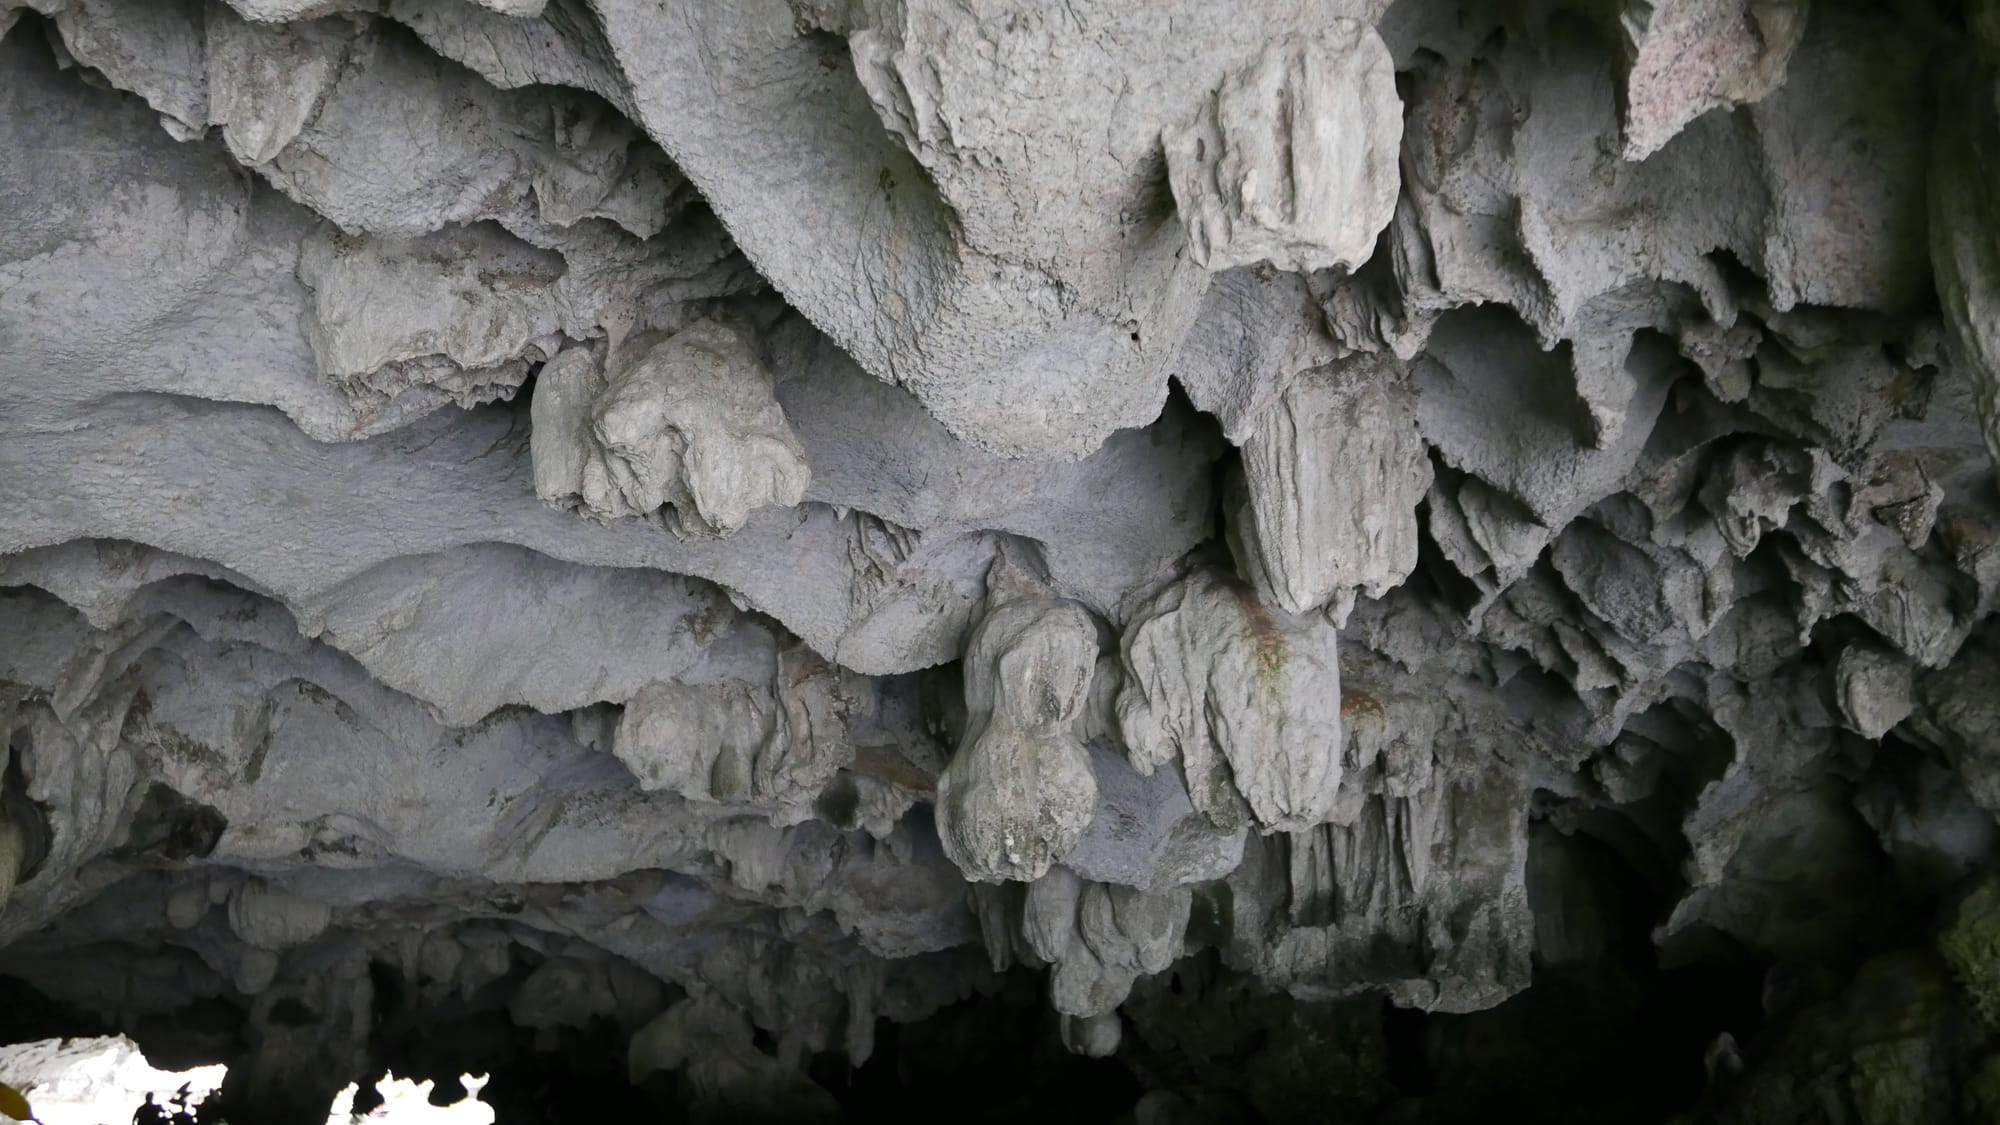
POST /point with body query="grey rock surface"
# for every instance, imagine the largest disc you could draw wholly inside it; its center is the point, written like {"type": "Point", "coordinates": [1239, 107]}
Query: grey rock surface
{"type": "Point", "coordinates": [682, 429]}
{"type": "Point", "coordinates": [1019, 791]}
{"type": "Point", "coordinates": [1333, 474]}
{"type": "Point", "coordinates": [1292, 162]}
{"type": "Point", "coordinates": [1244, 699]}
{"type": "Point", "coordinates": [736, 521]}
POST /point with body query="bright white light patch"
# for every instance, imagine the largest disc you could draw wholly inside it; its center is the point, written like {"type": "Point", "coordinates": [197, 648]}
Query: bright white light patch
{"type": "Point", "coordinates": [104, 1081]}
{"type": "Point", "coordinates": [95, 1081]}
{"type": "Point", "coordinates": [409, 1103]}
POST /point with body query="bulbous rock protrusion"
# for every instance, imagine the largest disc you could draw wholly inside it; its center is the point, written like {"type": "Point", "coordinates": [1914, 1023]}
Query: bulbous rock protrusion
{"type": "Point", "coordinates": [1248, 700]}
{"type": "Point", "coordinates": [1093, 1037]}
{"type": "Point", "coordinates": [1686, 57]}
{"type": "Point", "coordinates": [772, 746]}
{"type": "Point", "coordinates": [1099, 939]}
{"type": "Point", "coordinates": [682, 428]}
{"type": "Point", "coordinates": [270, 917]}
{"type": "Point", "coordinates": [256, 970]}
{"type": "Point", "coordinates": [1334, 470]}
{"type": "Point", "coordinates": [1874, 689]}
{"type": "Point", "coordinates": [1294, 160]}
{"type": "Point", "coordinates": [1020, 791]}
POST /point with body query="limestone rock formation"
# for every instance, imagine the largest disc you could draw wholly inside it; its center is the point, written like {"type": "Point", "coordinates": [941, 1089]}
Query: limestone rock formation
{"type": "Point", "coordinates": [1019, 791]}
{"type": "Point", "coordinates": [1687, 57]}
{"type": "Point", "coordinates": [1390, 559]}
{"type": "Point", "coordinates": [1097, 939]}
{"type": "Point", "coordinates": [685, 423]}
{"type": "Point", "coordinates": [1333, 472]}
{"type": "Point", "coordinates": [462, 316]}
{"type": "Point", "coordinates": [1247, 701]}
{"type": "Point", "coordinates": [728, 1075]}
{"type": "Point", "coordinates": [1291, 162]}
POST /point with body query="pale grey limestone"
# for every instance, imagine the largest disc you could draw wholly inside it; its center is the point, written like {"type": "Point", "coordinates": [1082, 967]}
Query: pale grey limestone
{"type": "Point", "coordinates": [696, 496]}
{"type": "Point", "coordinates": [772, 743]}
{"type": "Point", "coordinates": [1963, 252]}
{"type": "Point", "coordinates": [153, 50]}
{"type": "Point", "coordinates": [679, 428]}
{"type": "Point", "coordinates": [1292, 160]}
{"type": "Point", "coordinates": [1245, 698]}
{"type": "Point", "coordinates": [265, 80]}
{"type": "Point", "coordinates": [461, 316]}
{"type": "Point", "coordinates": [270, 917]}
{"type": "Point", "coordinates": [1257, 331]}
{"type": "Point", "coordinates": [1146, 832]}
{"type": "Point", "coordinates": [1687, 57]}
{"type": "Point", "coordinates": [1009, 264]}
{"type": "Point", "coordinates": [1334, 471]}
{"type": "Point", "coordinates": [1019, 792]}
{"type": "Point", "coordinates": [1436, 877]}
{"type": "Point", "coordinates": [1096, 938]}
{"type": "Point", "coordinates": [1094, 1037]}
{"type": "Point", "coordinates": [1876, 689]}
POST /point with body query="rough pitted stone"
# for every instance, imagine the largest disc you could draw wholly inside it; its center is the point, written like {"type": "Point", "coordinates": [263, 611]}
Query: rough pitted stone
{"type": "Point", "coordinates": [1019, 792]}
{"type": "Point", "coordinates": [1687, 57]}
{"type": "Point", "coordinates": [1334, 471]}
{"type": "Point", "coordinates": [685, 423]}
{"type": "Point", "coordinates": [1247, 700]}
{"type": "Point", "coordinates": [1292, 161]}
{"type": "Point", "coordinates": [672, 527]}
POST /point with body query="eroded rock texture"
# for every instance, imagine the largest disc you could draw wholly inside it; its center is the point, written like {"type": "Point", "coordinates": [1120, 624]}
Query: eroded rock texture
{"type": "Point", "coordinates": [1332, 558]}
